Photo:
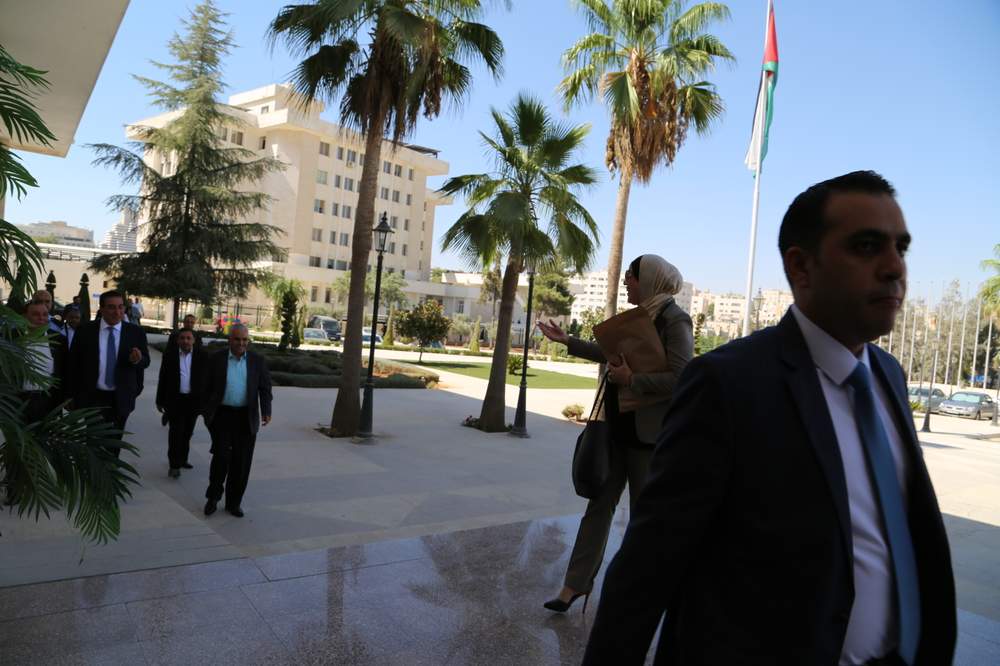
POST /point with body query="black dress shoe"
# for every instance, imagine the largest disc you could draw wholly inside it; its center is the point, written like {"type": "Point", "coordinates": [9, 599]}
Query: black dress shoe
{"type": "Point", "coordinates": [187, 466]}
{"type": "Point", "coordinates": [174, 473]}
{"type": "Point", "coordinates": [236, 511]}
{"type": "Point", "coordinates": [210, 506]}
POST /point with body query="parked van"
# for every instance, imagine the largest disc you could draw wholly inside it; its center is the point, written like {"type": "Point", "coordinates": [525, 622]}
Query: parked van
{"type": "Point", "coordinates": [330, 325]}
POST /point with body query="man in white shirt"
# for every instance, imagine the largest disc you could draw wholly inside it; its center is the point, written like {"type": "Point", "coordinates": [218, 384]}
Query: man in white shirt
{"type": "Point", "coordinates": [179, 393]}
{"type": "Point", "coordinates": [71, 322]}
{"type": "Point", "coordinates": [107, 362]}
{"type": "Point", "coordinates": [788, 517]}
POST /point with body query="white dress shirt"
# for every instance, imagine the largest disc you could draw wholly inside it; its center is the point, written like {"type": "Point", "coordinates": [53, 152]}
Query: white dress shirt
{"type": "Point", "coordinates": [70, 333]}
{"type": "Point", "coordinates": [102, 348]}
{"type": "Point", "coordinates": [871, 631]}
{"type": "Point", "coordinates": [185, 360]}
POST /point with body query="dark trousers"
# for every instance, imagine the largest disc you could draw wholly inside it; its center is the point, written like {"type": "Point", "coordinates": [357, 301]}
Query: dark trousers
{"type": "Point", "coordinates": [37, 405]}
{"type": "Point", "coordinates": [181, 417]}
{"type": "Point", "coordinates": [109, 411]}
{"type": "Point", "coordinates": [232, 453]}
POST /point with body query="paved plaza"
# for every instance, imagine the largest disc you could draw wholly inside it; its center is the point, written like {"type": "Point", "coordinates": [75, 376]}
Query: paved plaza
{"type": "Point", "coordinates": [434, 544]}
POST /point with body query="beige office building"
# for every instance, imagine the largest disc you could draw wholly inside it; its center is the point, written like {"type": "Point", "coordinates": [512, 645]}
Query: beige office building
{"type": "Point", "coordinates": [315, 198]}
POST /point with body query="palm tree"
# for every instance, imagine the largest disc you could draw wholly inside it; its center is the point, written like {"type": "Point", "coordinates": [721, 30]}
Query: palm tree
{"type": "Point", "coordinates": [990, 293]}
{"type": "Point", "coordinates": [533, 178]}
{"type": "Point", "coordinates": [64, 461]}
{"type": "Point", "coordinates": [647, 58]}
{"type": "Point", "coordinates": [390, 61]}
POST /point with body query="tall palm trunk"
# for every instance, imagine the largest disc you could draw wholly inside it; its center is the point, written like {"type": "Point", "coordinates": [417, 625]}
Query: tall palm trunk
{"type": "Point", "coordinates": [347, 409]}
{"type": "Point", "coordinates": [617, 239]}
{"type": "Point", "coordinates": [493, 416]}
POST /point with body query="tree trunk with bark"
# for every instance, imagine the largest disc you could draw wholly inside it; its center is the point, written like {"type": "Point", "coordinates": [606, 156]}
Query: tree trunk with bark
{"type": "Point", "coordinates": [493, 416]}
{"type": "Point", "coordinates": [347, 409]}
{"type": "Point", "coordinates": [617, 240]}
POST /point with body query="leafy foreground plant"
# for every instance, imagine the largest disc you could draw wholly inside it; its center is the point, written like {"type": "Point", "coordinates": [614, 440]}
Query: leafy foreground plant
{"type": "Point", "coordinates": [66, 461]}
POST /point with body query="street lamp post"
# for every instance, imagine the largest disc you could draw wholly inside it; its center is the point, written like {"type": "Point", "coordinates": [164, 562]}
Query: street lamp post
{"type": "Point", "coordinates": [382, 232]}
{"type": "Point", "coordinates": [520, 429]}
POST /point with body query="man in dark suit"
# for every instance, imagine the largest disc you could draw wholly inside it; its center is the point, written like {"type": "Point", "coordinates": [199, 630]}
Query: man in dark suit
{"type": "Point", "coordinates": [789, 517]}
{"type": "Point", "coordinates": [179, 395]}
{"type": "Point", "coordinates": [107, 362]}
{"type": "Point", "coordinates": [237, 402]}
{"type": "Point", "coordinates": [188, 324]}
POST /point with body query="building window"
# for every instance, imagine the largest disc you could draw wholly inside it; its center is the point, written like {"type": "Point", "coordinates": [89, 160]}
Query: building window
{"type": "Point", "coordinates": [460, 306]}
{"type": "Point", "coordinates": [324, 148]}
{"type": "Point", "coordinates": [263, 143]}
{"type": "Point", "coordinates": [391, 270]}
{"type": "Point", "coordinates": [404, 249]}
{"type": "Point", "coordinates": [406, 224]}
{"type": "Point", "coordinates": [318, 235]}
{"type": "Point", "coordinates": [352, 156]}
{"type": "Point", "coordinates": [328, 295]}
{"type": "Point", "coordinates": [238, 138]}
{"type": "Point", "coordinates": [385, 193]}
{"type": "Point", "coordinates": [421, 246]}
{"type": "Point", "coordinates": [335, 209]}
{"type": "Point", "coordinates": [333, 241]}
{"type": "Point", "coordinates": [420, 265]}
{"type": "Point", "coordinates": [409, 199]}
{"type": "Point", "coordinates": [345, 211]}
{"type": "Point", "coordinates": [394, 222]}
{"type": "Point", "coordinates": [223, 133]}
{"type": "Point", "coordinates": [387, 166]}
{"type": "Point", "coordinates": [319, 205]}
{"type": "Point", "coordinates": [336, 180]}
{"type": "Point", "coordinates": [345, 239]}
{"type": "Point", "coordinates": [392, 247]}
{"type": "Point", "coordinates": [411, 174]}
{"type": "Point", "coordinates": [314, 262]}
{"type": "Point", "coordinates": [349, 184]}
{"type": "Point", "coordinates": [395, 196]}
{"type": "Point", "coordinates": [341, 265]}
{"type": "Point", "coordinates": [340, 152]}
{"type": "Point", "coordinates": [321, 177]}
{"type": "Point", "coordinates": [423, 225]}
{"type": "Point", "coordinates": [398, 171]}
{"type": "Point", "coordinates": [265, 109]}
{"type": "Point", "coordinates": [329, 264]}
{"type": "Point", "coordinates": [313, 293]}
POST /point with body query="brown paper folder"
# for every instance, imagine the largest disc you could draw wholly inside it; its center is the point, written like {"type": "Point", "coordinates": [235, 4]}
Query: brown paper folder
{"type": "Point", "coordinates": [632, 333]}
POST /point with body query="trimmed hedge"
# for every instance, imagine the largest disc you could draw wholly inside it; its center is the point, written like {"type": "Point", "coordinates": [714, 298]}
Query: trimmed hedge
{"type": "Point", "coordinates": [395, 381]}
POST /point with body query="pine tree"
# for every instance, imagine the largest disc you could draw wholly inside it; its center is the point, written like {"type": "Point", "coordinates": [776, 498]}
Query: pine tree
{"type": "Point", "coordinates": [200, 240]}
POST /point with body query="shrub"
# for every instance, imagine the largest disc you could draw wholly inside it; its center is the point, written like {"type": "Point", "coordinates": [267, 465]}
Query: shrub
{"type": "Point", "coordinates": [514, 363]}
{"type": "Point", "coordinates": [573, 412]}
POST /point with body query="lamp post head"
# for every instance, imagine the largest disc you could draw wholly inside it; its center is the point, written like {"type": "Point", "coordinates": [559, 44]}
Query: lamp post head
{"type": "Point", "coordinates": [530, 264]}
{"type": "Point", "coordinates": [382, 232]}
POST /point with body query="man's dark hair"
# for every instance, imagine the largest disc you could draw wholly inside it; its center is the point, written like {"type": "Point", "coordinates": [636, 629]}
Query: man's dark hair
{"type": "Point", "coordinates": [111, 293]}
{"type": "Point", "coordinates": [803, 225]}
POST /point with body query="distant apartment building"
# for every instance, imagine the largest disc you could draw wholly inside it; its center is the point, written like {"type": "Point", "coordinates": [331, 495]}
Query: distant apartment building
{"type": "Point", "coordinates": [59, 233]}
{"type": "Point", "coordinates": [123, 235]}
{"type": "Point", "coordinates": [590, 291]}
{"type": "Point", "coordinates": [729, 308]}
{"type": "Point", "coordinates": [314, 200]}
{"type": "Point", "coordinates": [770, 306]}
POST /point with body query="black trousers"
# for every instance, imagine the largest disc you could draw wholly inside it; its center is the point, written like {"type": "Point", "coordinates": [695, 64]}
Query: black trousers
{"type": "Point", "coordinates": [109, 411]}
{"type": "Point", "coordinates": [232, 453]}
{"type": "Point", "coordinates": [181, 418]}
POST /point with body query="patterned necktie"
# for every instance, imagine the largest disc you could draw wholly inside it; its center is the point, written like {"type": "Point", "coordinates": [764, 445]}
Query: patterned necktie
{"type": "Point", "coordinates": [109, 360]}
{"type": "Point", "coordinates": [890, 496]}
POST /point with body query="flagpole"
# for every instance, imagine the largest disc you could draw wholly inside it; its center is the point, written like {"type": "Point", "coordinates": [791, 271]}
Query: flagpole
{"type": "Point", "coordinates": [961, 345]}
{"type": "Point", "coordinates": [748, 294]}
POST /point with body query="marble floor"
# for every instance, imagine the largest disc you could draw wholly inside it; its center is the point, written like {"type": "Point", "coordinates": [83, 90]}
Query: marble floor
{"type": "Point", "coordinates": [465, 597]}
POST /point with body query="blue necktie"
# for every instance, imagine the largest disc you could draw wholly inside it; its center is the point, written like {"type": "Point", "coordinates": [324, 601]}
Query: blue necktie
{"type": "Point", "coordinates": [109, 361]}
{"type": "Point", "coordinates": [897, 530]}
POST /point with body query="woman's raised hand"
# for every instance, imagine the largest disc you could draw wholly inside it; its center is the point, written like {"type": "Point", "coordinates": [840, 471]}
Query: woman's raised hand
{"type": "Point", "coordinates": [552, 331]}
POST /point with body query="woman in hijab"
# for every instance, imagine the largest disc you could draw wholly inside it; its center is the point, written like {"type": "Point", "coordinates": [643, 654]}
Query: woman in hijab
{"type": "Point", "coordinates": [651, 283]}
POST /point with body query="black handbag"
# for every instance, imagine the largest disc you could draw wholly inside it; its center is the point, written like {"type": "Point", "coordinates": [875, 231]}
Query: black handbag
{"type": "Point", "coordinates": [592, 457]}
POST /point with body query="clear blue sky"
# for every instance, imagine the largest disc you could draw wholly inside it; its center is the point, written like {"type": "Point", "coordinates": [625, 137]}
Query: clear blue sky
{"type": "Point", "coordinates": [908, 88]}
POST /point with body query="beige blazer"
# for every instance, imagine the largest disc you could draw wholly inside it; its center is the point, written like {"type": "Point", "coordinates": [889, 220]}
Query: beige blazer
{"type": "Point", "coordinates": [677, 336]}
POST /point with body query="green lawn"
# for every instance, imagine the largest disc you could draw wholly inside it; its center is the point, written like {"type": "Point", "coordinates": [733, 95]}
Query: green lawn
{"type": "Point", "coordinates": [540, 379]}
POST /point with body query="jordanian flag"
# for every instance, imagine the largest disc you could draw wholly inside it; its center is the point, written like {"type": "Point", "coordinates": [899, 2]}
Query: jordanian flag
{"type": "Point", "coordinates": [765, 96]}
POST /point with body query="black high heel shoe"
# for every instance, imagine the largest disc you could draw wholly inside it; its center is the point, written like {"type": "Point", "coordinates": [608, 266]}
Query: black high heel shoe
{"type": "Point", "coordinates": [560, 606]}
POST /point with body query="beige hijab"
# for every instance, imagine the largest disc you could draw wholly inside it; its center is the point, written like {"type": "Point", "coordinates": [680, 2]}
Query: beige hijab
{"type": "Point", "coordinates": [659, 280]}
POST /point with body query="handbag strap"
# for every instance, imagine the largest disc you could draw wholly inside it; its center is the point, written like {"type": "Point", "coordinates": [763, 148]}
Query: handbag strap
{"type": "Point", "coordinates": [599, 397]}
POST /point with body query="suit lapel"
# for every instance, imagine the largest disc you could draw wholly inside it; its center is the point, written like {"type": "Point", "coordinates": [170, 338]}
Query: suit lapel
{"type": "Point", "coordinates": [900, 408]}
{"type": "Point", "coordinates": [807, 394]}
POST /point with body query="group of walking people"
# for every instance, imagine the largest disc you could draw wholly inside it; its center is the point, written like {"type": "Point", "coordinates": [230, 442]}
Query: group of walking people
{"type": "Point", "coordinates": [101, 364]}
{"type": "Point", "coordinates": [780, 508]}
